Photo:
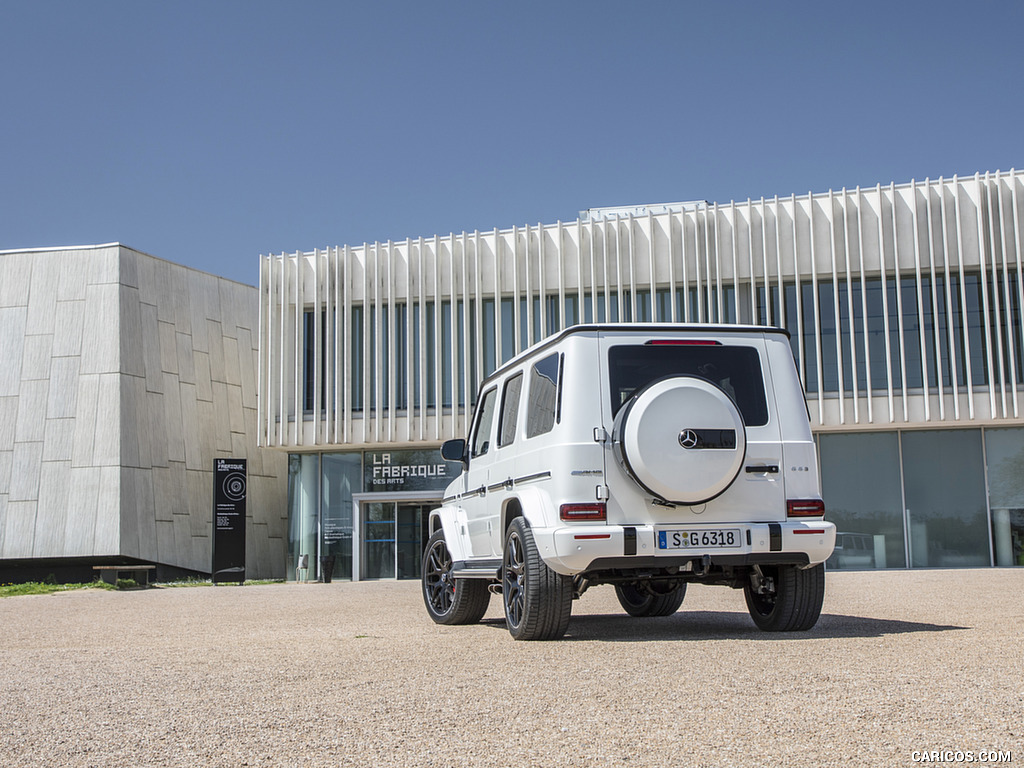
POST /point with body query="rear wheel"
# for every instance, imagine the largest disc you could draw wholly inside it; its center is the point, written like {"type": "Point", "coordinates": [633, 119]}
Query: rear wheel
{"type": "Point", "coordinates": [538, 601]}
{"type": "Point", "coordinates": [450, 600]}
{"type": "Point", "coordinates": [651, 598]}
{"type": "Point", "coordinates": [786, 598]}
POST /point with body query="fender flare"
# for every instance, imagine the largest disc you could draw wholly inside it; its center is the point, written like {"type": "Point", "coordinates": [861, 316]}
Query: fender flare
{"type": "Point", "coordinates": [537, 507]}
{"type": "Point", "coordinates": [452, 519]}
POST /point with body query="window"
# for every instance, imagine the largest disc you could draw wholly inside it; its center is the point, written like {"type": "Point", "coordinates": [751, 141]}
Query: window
{"type": "Point", "coordinates": [860, 482]}
{"type": "Point", "coordinates": [944, 488]}
{"type": "Point", "coordinates": [735, 370]}
{"type": "Point", "coordinates": [542, 397]}
{"type": "Point", "coordinates": [484, 421]}
{"type": "Point", "coordinates": [509, 410]}
{"type": "Point", "coordinates": [310, 383]}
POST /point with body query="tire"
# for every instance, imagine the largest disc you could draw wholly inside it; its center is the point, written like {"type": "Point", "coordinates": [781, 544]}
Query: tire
{"type": "Point", "coordinates": [681, 439]}
{"type": "Point", "coordinates": [538, 601]}
{"type": "Point", "coordinates": [794, 604]}
{"type": "Point", "coordinates": [642, 599]}
{"type": "Point", "coordinates": [450, 600]}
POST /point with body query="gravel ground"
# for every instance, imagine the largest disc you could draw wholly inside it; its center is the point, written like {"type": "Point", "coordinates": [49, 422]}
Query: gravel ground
{"type": "Point", "coordinates": [357, 675]}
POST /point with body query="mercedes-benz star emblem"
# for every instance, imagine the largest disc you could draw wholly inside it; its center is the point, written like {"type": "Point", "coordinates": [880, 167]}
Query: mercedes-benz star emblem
{"type": "Point", "coordinates": [688, 438]}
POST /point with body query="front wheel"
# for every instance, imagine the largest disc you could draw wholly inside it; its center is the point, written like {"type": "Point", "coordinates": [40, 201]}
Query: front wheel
{"type": "Point", "coordinates": [786, 598]}
{"type": "Point", "coordinates": [450, 600]}
{"type": "Point", "coordinates": [538, 601]}
{"type": "Point", "coordinates": [654, 598]}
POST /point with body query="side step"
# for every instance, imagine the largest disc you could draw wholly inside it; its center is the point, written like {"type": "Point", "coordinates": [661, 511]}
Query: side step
{"type": "Point", "coordinates": [477, 569]}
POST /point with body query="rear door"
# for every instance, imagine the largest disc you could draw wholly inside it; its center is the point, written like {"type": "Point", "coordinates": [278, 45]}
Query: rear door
{"type": "Point", "coordinates": [734, 363]}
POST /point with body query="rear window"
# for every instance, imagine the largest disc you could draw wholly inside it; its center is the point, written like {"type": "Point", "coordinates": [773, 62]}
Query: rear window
{"type": "Point", "coordinates": [735, 370]}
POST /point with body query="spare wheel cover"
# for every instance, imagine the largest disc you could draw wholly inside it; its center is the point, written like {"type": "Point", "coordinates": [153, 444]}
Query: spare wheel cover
{"type": "Point", "coordinates": [682, 439]}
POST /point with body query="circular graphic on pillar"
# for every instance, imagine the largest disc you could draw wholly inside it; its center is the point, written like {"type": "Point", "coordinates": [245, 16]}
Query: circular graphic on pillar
{"type": "Point", "coordinates": [233, 486]}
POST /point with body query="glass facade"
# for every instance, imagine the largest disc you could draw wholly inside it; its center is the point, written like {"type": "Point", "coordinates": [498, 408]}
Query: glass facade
{"type": "Point", "coordinates": [912, 498]}
{"type": "Point", "coordinates": [362, 514]}
{"type": "Point", "coordinates": [944, 477]}
{"type": "Point", "coordinates": [340, 481]}
{"type": "Point", "coordinates": [868, 515]}
{"type": "Point", "coordinates": [919, 497]}
{"type": "Point", "coordinates": [870, 333]}
{"type": "Point", "coordinates": [303, 512]}
{"type": "Point", "coordinates": [1004, 451]}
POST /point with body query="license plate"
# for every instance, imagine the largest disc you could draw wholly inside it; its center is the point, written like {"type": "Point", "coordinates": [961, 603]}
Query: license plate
{"type": "Point", "coordinates": [714, 538]}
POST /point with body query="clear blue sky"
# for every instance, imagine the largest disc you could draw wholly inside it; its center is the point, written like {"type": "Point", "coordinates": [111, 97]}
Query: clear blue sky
{"type": "Point", "coordinates": [208, 133]}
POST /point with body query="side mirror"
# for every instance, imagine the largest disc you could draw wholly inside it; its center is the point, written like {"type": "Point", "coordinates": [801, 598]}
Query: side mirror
{"type": "Point", "coordinates": [455, 450]}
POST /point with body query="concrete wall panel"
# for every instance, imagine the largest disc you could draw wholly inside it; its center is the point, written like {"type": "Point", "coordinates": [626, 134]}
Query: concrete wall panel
{"type": "Point", "coordinates": [83, 507]}
{"type": "Point", "coordinates": [58, 440]}
{"type": "Point", "coordinates": [101, 347]}
{"type": "Point", "coordinates": [68, 328]}
{"type": "Point", "coordinates": [75, 269]}
{"type": "Point", "coordinates": [186, 365]}
{"type": "Point", "coordinates": [25, 470]}
{"type": "Point", "coordinates": [16, 269]}
{"type": "Point", "coordinates": [35, 360]}
{"type": "Point", "coordinates": [216, 356]}
{"type": "Point", "coordinates": [19, 528]}
{"type": "Point", "coordinates": [8, 418]}
{"type": "Point", "coordinates": [151, 348]}
{"type": "Point", "coordinates": [174, 438]}
{"type": "Point", "coordinates": [52, 510]}
{"type": "Point", "coordinates": [62, 394]}
{"type": "Point", "coordinates": [157, 426]}
{"type": "Point", "coordinates": [12, 347]}
{"type": "Point", "coordinates": [107, 539]}
{"type": "Point", "coordinates": [106, 441]}
{"type": "Point", "coordinates": [43, 295]}
{"type": "Point", "coordinates": [6, 460]}
{"type": "Point", "coordinates": [203, 380]}
{"type": "Point", "coordinates": [168, 347]}
{"type": "Point", "coordinates": [32, 410]}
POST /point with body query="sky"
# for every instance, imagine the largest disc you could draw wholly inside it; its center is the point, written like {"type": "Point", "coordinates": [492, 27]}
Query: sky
{"type": "Point", "coordinates": [211, 133]}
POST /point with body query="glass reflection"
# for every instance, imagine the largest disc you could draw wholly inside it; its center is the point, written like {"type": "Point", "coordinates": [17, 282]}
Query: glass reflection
{"type": "Point", "coordinates": [860, 479]}
{"type": "Point", "coordinates": [945, 492]}
{"type": "Point", "coordinates": [1005, 451]}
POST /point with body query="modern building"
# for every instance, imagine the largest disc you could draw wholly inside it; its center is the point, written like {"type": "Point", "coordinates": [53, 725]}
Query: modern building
{"type": "Point", "coordinates": [122, 378]}
{"type": "Point", "coordinates": [904, 307]}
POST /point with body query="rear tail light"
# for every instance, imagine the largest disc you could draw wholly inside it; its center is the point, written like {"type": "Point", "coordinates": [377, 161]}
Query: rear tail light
{"type": "Point", "coordinates": [591, 511]}
{"type": "Point", "coordinates": [805, 508]}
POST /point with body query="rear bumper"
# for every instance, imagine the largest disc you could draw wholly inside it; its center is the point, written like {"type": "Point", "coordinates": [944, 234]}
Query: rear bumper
{"type": "Point", "coordinates": [579, 548]}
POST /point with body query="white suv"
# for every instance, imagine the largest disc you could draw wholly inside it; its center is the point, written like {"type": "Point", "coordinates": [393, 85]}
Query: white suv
{"type": "Point", "coordinates": [647, 457]}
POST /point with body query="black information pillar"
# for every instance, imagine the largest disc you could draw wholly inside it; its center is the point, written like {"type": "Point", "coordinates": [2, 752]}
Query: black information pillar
{"type": "Point", "coordinates": [229, 494]}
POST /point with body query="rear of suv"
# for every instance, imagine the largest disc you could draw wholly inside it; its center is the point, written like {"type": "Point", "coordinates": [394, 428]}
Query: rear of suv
{"type": "Point", "coordinates": [647, 457]}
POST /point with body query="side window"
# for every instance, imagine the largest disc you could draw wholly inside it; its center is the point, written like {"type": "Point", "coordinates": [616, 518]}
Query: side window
{"type": "Point", "coordinates": [543, 396]}
{"type": "Point", "coordinates": [482, 435]}
{"type": "Point", "coordinates": [510, 410]}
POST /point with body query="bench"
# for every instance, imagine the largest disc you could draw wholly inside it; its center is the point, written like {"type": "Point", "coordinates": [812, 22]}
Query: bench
{"type": "Point", "coordinates": [138, 572]}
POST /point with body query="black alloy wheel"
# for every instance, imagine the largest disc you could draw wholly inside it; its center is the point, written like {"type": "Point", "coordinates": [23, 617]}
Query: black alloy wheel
{"type": "Point", "coordinates": [654, 598]}
{"type": "Point", "coordinates": [787, 599]}
{"type": "Point", "coordinates": [538, 601]}
{"type": "Point", "coordinates": [450, 600]}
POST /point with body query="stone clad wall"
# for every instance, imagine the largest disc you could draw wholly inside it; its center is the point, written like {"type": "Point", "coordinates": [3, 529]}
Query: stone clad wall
{"type": "Point", "coordinates": [59, 381]}
{"type": "Point", "coordinates": [188, 391]}
{"type": "Point", "coordinates": [122, 377]}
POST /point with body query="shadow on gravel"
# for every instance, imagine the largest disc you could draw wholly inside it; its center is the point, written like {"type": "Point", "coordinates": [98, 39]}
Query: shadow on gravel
{"type": "Point", "coordinates": [709, 625]}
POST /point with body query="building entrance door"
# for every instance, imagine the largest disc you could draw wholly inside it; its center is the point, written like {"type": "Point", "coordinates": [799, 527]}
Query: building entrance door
{"type": "Point", "coordinates": [393, 535]}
